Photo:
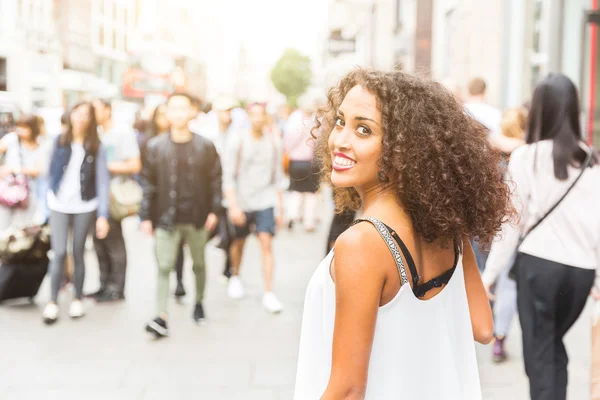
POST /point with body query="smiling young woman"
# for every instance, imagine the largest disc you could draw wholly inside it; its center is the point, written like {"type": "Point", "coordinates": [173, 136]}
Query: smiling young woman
{"type": "Point", "coordinates": [398, 317]}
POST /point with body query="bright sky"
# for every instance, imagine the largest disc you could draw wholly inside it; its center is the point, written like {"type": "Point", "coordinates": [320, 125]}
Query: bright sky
{"type": "Point", "coordinates": [265, 28]}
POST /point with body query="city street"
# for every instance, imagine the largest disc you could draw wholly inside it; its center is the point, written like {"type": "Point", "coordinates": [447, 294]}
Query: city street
{"type": "Point", "coordinates": [241, 352]}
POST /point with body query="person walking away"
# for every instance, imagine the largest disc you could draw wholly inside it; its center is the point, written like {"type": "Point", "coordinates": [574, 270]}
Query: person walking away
{"type": "Point", "coordinates": [513, 125]}
{"type": "Point", "coordinates": [557, 239]}
{"type": "Point", "coordinates": [221, 138]}
{"type": "Point", "coordinates": [123, 158]}
{"type": "Point", "coordinates": [23, 156]}
{"type": "Point", "coordinates": [253, 182]}
{"type": "Point", "coordinates": [394, 309]}
{"type": "Point", "coordinates": [182, 197]}
{"type": "Point", "coordinates": [304, 173]}
{"type": "Point", "coordinates": [78, 198]}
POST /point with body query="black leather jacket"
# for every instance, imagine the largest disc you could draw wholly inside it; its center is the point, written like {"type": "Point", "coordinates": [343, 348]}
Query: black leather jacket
{"type": "Point", "coordinates": [159, 181]}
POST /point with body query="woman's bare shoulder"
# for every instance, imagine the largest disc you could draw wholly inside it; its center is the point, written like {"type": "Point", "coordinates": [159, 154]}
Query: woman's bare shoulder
{"type": "Point", "coordinates": [360, 249]}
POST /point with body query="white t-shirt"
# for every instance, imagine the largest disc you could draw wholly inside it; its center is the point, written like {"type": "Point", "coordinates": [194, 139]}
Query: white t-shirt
{"type": "Point", "coordinates": [120, 144]}
{"type": "Point", "coordinates": [487, 115]}
{"type": "Point", "coordinates": [68, 199]}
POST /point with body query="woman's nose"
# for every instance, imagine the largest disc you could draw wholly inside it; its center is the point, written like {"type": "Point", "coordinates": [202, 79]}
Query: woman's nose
{"type": "Point", "coordinates": [342, 139]}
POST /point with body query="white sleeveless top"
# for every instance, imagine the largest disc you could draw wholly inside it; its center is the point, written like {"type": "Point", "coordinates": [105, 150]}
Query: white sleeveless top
{"type": "Point", "coordinates": [422, 349]}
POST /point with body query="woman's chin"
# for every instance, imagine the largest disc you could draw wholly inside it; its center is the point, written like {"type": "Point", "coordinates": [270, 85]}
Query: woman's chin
{"type": "Point", "coordinates": [341, 180]}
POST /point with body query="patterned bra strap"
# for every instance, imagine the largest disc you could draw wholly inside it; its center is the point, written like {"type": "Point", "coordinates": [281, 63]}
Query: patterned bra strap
{"type": "Point", "coordinates": [391, 244]}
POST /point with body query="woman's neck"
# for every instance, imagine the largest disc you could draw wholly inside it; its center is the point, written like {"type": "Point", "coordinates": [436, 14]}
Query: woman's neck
{"type": "Point", "coordinates": [30, 144]}
{"type": "Point", "coordinates": [382, 202]}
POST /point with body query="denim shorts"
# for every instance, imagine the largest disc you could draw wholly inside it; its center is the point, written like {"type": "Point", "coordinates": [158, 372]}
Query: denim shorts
{"type": "Point", "coordinates": [257, 221]}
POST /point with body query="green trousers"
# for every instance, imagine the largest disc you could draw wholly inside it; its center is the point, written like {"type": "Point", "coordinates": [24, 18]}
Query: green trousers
{"type": "Point", "coordinates": [167, 246]}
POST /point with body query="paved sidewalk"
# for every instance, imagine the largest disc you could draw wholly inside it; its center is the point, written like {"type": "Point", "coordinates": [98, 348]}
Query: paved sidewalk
{"type": "Point", "coordinates": [240, 353]}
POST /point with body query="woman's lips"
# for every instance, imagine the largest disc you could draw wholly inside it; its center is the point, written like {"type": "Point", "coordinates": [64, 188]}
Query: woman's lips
{"type": "Point", "coordinates": [342, 163]}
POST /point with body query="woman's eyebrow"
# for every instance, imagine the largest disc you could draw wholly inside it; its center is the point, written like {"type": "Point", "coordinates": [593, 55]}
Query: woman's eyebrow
{"type": "Point", "coordinates": [366, 119]}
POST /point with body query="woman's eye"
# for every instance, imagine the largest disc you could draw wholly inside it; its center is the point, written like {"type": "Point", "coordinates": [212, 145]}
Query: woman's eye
{"type": "Point", "coordinates": [363, 130]}
{"type": "Point", "coordinates": [339, 122]}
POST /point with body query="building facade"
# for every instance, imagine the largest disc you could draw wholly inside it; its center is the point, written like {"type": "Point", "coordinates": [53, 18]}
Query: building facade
{"type": "Point", "coordinates": [30, 53]}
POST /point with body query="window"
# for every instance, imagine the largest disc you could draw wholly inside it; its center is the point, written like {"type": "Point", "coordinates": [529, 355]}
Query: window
{"type": "Point", "coordinates": [450, 29]}
{"type": "Point", "coordinates": [101, 35]}
{"type": "Point", "coordinates": [538, 57]}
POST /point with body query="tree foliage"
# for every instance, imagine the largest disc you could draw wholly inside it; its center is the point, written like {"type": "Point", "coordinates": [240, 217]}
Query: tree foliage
{"type": "Point", "coordinates": [291, 75]}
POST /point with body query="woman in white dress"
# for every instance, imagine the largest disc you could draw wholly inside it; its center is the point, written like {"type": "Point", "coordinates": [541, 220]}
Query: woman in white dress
{"type": "Point", "coordinates": [398, 317]}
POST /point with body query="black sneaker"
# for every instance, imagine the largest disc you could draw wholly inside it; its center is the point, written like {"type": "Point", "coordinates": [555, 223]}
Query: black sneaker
{"type": "Point", "coordinates": [96, 294]}
{"type": "Point", "coordinates": [158, 327]}
{"type": "Point", "coordinates": [198, 313]}
{"type": "Point", "coordinates": [108, 297]}
{"type": "Point", "coordinates": [180, 290]}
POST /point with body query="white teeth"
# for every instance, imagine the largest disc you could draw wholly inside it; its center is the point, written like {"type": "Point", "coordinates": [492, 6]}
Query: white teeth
{"type": "Point", "coordinates": [343, 162]}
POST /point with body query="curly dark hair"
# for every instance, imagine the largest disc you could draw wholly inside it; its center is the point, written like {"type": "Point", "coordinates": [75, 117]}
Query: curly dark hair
{"type": "Point", "coordinates": [445, 173]}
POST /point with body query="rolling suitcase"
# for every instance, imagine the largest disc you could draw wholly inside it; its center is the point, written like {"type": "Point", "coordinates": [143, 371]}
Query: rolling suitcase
{"type": "Point", "coordinates": [22, 280]}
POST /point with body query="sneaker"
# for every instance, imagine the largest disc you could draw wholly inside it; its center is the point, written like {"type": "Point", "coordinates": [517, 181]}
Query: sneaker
{"type": "Point", "coordinates": [198, 313]}
{"type": "Point", "coordinates": [179, 291]}
{"type": "Point", "coordinates": [76, 309]}
{"type": "Point", "coordinates": [235, 290]}
{"type": "Point", "coordinates": [271, 303]}
{"type": "Point", "coordinates": [110, 296]}
{"type": "Point", "coordinates": [96, 294]}
{"type": "Point", "coordinates": [158, 327]}
{"type": "Point", "coordinates": [50, 314]}
{"type": "Point", "coordinates": [498, 352]}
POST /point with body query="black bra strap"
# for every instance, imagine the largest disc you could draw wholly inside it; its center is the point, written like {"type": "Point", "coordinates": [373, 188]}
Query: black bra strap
{"type": "Point", "coordinates": [389, 241]}
{"type": "Point", "coordinates": [420, 290]}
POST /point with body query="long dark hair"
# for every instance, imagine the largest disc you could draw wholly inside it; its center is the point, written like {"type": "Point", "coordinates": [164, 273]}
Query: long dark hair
{"type": "Point", "coordinates": [154, 129]}
{"type": "Point", "coordinates": [554, 115]}
{"type": "Point", "coordinates": [92, 140]}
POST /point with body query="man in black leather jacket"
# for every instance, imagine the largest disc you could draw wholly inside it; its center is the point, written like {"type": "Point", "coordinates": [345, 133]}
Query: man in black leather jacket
{"type": "Point", "coordinates": [181, 178]}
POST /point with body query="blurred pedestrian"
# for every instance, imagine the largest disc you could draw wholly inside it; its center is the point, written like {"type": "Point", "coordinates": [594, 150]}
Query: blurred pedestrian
{"type": "Point", "coordinates": [124, 162]}
{"type": "Point", "coordinates": [182, 197]}
{"type": "Point", "coordinates": [160, 125]}
{"type": "Point", "coordinates": [365, 330]}
{"type": "Point", "coordinates": [78, 198]}
{"type": "Point", "coordinates": [303, 171]}
{"type": "Point", "coordinates": [556, 190]}
{"type": "Point", "coordinates": [23, 157]}
{"type": "Point", "coordinates": [253, 180]}
{"type": "Point", "coordinates": [221, 137]}
{"type": "Point", "coordinates": [513, 125]}
{"type": "Point", "coordinates": [477, 105]}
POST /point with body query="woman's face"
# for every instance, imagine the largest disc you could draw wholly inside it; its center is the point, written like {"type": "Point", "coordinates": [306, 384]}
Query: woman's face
{"type": "Point", "coordinates": [161, 119]}
{"type": "Point", "coordinates": [81, 118]}
{"type": "Point", "coordinates": [24, 132]}
{"type": "Point", "coordinates": [355, 141]}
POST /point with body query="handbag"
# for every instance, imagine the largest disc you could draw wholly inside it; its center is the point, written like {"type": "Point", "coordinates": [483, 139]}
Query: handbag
{"type": "Point", "coordinates": [125, 198]}
{"type": "Point", "coordinates": [22, 245]}
{"type": "Point", "coordinates": [14, 189]}
{"type": "Point", "coordinates": [514, 270]}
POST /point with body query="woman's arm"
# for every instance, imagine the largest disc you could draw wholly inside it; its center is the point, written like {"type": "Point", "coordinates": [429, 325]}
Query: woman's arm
{"type": "Point", "coordinates": [482, 320]}
{"type": "Point", "coordinates": [359, 281]}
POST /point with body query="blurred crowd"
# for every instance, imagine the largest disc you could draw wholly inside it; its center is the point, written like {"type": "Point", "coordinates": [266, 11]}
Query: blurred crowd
{"type": "Point", "coordinates": [191, 172]}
